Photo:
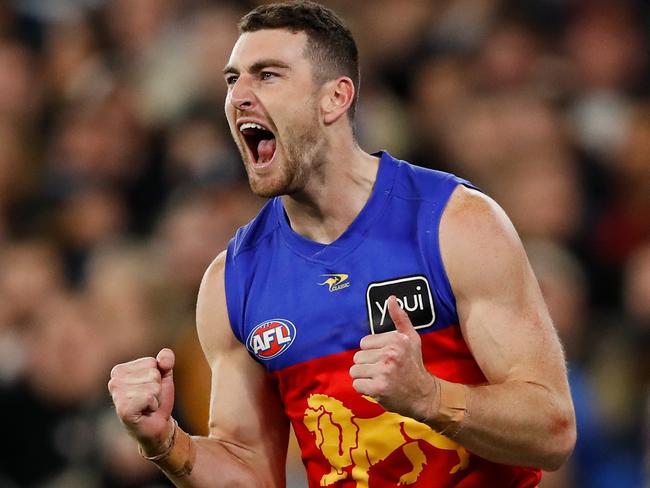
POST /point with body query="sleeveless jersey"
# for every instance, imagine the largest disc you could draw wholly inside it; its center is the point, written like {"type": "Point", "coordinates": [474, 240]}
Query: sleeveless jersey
{"type": "Point", "coordinates": [301, 308]}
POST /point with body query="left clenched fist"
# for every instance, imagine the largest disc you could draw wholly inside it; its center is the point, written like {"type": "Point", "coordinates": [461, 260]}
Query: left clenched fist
{"type": "Point", "coordinates": [389, 368]}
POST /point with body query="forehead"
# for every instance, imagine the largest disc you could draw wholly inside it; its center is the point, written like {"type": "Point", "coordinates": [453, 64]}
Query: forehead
{"type": "Point", "coordinates": [280, 44]}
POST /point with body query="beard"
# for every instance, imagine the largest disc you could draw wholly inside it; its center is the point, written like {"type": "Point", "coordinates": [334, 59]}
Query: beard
{"type": "Point", "coordinates": [303, 149]}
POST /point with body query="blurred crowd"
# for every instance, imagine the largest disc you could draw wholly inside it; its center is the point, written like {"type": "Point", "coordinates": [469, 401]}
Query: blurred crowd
{"type": "Point", "coordinates": [119, 184]}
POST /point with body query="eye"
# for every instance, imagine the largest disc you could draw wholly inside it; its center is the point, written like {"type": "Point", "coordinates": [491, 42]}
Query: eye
{"type": "Point", "coordinates": [267, 75]}
{"type": "Point", "coordinates": [231, 79]}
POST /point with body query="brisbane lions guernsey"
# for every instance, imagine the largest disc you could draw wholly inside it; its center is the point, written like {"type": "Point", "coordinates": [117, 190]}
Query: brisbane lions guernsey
{"type": "Point", "coordinates": [301, 308]}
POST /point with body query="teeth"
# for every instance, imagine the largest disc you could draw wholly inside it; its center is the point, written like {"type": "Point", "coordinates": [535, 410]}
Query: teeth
{"type": "Point", "coordinates": [251, 125]}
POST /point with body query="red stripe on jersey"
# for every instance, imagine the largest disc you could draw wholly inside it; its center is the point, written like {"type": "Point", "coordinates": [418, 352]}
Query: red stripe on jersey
{"type": "Point", "coordinates": [350, 441]}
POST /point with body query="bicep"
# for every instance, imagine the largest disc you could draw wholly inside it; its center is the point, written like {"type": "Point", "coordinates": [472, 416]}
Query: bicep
{"type": "Point", "coordinates": [246, 413]}
{"type": "Point", "coordinates": [502, 314]}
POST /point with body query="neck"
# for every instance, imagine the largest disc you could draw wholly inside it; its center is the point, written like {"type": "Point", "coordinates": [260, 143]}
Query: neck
{"type": "Point", "coordinates": [334, 196]}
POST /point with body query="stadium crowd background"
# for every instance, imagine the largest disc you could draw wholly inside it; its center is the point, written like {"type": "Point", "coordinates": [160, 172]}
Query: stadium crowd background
{"type": "Point", "coordinates": [119, 184]}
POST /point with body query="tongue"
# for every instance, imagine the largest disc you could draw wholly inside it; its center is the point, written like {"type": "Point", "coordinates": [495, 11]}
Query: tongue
{"type": "Point", "coordinates": [265, 150]}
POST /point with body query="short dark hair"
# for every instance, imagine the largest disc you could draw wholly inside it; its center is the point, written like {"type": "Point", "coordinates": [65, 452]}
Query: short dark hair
{"type": "Point", "coordinates": [330, 44]}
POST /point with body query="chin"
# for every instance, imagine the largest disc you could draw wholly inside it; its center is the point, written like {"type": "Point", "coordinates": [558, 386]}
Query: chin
{"type": "Point", "coordinates": [267, 189]}
{"type": "Point", "coordinates": [265, 192]}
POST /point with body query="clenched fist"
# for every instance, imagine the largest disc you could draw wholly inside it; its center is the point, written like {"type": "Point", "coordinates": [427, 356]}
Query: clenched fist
{"type": "Point", "coordinates": [143, 394]}
{"type": "Point", "coordinates": [390, 369]}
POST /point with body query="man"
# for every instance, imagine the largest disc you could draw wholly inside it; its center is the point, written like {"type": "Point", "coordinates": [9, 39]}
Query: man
{"type": "Point", "coordinates": [296, 318]}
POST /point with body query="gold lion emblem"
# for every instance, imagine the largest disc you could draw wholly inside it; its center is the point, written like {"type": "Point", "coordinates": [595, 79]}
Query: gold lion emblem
{"type": "Point", "coordinates": [346, 440]}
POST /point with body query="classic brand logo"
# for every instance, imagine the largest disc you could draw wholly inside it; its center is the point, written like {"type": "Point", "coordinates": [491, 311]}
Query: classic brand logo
{"type": "Point", "coordinates": [271, 338]}
{"type": "Point", "coordinates": [349, 441]}
{"type": "Point", "coordinates": [413, 295]}
{"type": "Point", "coordinates": [336, 282]}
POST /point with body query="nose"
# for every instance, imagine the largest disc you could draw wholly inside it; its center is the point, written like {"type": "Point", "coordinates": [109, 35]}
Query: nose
{"type": "Point", "coordinates": [241, 95]}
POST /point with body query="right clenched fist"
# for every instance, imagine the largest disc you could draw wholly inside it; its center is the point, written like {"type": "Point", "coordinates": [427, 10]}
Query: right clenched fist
{"type": "Point", "coordinates": [143, 394]}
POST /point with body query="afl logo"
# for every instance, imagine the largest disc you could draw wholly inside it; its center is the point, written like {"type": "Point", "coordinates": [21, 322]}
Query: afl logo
{"type": "Point", "coordinates": [271, 338]}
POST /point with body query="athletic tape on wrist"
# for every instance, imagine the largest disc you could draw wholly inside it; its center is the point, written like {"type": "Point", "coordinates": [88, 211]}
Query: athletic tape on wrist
{"type": "Point", "coordinates": [177, 459]}
{"type": "Point", "coordinates": [452, 410]}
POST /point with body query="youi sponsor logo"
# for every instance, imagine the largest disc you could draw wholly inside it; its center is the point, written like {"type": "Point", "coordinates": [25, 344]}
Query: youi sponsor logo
{"type": "Point", "coordinates": [413, 295]}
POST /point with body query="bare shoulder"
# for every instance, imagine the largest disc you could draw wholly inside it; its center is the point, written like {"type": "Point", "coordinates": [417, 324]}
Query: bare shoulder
{"type": "Point", "coordinates": [214, 275]}
{"type": "Point", "coordinates": [478, 242]}
{"type": "Point", "coordinates": [472, 213]}
{"type": "Point", "coordinates": [213, 325]}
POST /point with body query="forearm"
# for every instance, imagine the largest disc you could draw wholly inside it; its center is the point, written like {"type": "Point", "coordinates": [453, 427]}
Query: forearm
{"type": "Point", "coordinates": [216, 466]}
{"type": "Point", "coordinates": [198, 462]}
{"type": "Point", "coordinates": [516, 423]}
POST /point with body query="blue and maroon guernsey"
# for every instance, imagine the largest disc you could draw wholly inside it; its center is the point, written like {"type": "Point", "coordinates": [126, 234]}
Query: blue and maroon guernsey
{"type": "Point", "coordinates": [301, 308]}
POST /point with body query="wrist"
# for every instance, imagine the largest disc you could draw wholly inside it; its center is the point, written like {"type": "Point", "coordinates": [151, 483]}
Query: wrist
{"type": "Point", "coordinates": [152, 447]}
{"type": "Point", "coordinates": [449, 409]}
{"type": "Point", "coordinates": [176, 456]}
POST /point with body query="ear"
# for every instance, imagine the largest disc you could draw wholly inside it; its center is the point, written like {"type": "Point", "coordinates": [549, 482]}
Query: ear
{"type": "Point", "coordinates": [336, 100]}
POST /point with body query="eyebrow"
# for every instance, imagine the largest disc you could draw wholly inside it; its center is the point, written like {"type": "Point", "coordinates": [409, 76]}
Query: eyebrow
{"type": "Point", "coordinates": [258, 66]}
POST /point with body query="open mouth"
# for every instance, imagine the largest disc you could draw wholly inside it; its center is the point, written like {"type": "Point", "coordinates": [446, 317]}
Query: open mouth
{"type": "Point", "coordinates": [260, 142]}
